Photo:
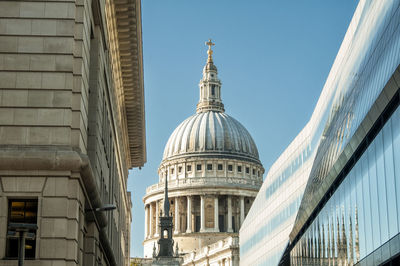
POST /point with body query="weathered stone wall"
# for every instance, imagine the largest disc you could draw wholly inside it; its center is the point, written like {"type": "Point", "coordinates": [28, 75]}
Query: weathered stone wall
{"type": "Point", "coordinates": [58, 91]}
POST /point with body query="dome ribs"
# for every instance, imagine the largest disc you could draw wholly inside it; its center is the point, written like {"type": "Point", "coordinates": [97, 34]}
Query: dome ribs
{"type": "Point", "coordinates": [210, 133]}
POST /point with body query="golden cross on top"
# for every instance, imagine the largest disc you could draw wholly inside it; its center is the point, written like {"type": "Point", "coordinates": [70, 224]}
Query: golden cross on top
{"type": "Point", "coordinates": [210, 43]}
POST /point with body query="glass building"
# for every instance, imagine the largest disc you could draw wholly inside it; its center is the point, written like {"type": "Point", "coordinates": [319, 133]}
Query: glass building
{"type": "Point", "coordinates": [333, 196]}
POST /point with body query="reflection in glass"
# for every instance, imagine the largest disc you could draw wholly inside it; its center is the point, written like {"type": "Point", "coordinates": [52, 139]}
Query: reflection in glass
{"type": "Point", "coordinates": [362, 214]}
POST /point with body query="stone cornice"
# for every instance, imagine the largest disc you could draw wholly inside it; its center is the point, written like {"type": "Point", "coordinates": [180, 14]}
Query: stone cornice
{"type": "Point", "coordinates": [197, 186]}
{"type": "Point", "coordinates": [129, 31]}
{"type": "Point", "coordinates": [124, 36]}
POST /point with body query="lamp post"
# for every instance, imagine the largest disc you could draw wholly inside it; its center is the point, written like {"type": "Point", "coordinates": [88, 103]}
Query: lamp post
{"type": "Point", "coordinates": [21, 231]}
{"type": "Point", "coordinates": [105, 207]}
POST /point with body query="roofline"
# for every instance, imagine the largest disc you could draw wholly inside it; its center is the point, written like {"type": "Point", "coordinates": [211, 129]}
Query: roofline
{"type": "Point", "coordinates": [129, 29]}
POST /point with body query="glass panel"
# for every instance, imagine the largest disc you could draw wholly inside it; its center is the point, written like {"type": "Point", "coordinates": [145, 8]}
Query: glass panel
{"type": "Point", "coordinates": [373, 186]}
{"type": "Point", "coordinates": [367, 203]}
{"type": "Point", "coordinates": [390, 181]}
{"type": "Point", "coordinates": [396, 155]}
{"type": "Point", "coordinates": [360, 226]}
{"type": "Point", "coordinates": [380, 171]}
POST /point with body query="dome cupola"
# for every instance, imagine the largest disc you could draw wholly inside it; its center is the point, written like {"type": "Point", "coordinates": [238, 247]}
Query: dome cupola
{"type": "Point", "coordinates": [210, 86]}
{"type": "Point", "coordinates": [211, 131]}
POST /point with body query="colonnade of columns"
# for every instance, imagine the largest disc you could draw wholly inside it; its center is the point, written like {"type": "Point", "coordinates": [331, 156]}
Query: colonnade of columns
{"type": "Point", "coordinates": [152, 213]}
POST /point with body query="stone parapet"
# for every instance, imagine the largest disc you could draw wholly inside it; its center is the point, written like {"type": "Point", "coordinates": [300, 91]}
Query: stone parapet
{"type": "Point", "coordinates": [243, 183]}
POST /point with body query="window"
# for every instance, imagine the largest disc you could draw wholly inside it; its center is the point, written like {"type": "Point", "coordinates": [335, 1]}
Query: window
{"type": "Point", "coordinates": [239, 168]}
{"type": "Point", "coordinates": [220, 167]}
{"type": "Point", "coordinates": [212, 90]}
{"type": "Point", "coordinates": [198, 167]}
{"type": "Point", "coordinates": [22, 211]}
{"type": "Point", "coordinates": [247, 170]}
{"type": "Point", "coordinates": [172, 171]}
{"type": "Point", "coordinates": [230, 168]}
{"type": "Point", "coordinates": [209, 167]}
{"type": "Point", "coordinates": [180, 169]}
{"type": "Point", "coordinates": [189, 168]}
{"type": "Point", "coordinates": [254, 171]}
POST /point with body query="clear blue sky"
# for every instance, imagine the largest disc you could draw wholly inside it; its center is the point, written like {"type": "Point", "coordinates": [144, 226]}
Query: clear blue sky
{"type": "Point", "coordinates": [273, 58]}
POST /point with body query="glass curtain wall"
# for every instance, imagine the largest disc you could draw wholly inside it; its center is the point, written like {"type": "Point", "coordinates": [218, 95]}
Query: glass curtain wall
{"type": "Point", "coordinates": [363, 214]}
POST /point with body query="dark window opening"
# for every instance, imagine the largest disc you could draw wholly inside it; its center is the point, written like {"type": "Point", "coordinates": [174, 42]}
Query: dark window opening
{"type": "Point", "coordinates": [230, 168]}
{"type": "Point", "coordinates": [172, 170]}
{"type": "Point", "coordinates": [197, 224]}
{"type": "Point", "coordinates": [247, 170]}
{"type": "Point", "coordinates": [221, 223]}
{"type": "Point", "coordinates": [180, 169]}
{"type": "Point", "coordinates": [189, 168]}
{"type": "Point", "coordinates": [22, 211]}
{"type": "Point", "coordinates": [254, 171]}
{"type": "Point", "coordinates": [213, 90]}
{"type": "Point", "coordinates": [220, 167]}
{"type": "Point", "coordinates": [239, 168]}
{"type": "Point", "coordinates": [209, 167]}
{"type": "Point", "coordinates": [198, 167]}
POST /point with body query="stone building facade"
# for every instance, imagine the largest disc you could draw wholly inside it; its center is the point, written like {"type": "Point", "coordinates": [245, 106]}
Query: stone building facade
{"type": "Point", "coordinates": [213, 171]}
{"type": "Point", "coordinates": [71, 125]}
{"type": "Point", "coordinates": [224, 252]}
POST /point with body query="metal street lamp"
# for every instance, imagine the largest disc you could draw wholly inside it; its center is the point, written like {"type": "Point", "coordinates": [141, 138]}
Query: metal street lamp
{"type": "Point", "coordinates": [21, 231]}
{"type": "Point", "coordinates": [105, 207]}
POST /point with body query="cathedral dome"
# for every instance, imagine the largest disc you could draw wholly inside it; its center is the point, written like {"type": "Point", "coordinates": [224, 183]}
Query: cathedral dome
{"type": "Point", "coordinates": [211, 133]}
{"type": "Point", "coordinates": [213, 172]}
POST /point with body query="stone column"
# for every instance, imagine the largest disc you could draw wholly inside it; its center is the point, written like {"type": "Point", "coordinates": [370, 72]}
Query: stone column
{"type": "Point", "coordinates": [189, 215]}
{"type": "Point", "coordinates": [146, 221]}
{"type": "Point", "coordinates": [216, 225]}
{"type": "Point", "coordinates": [230, 229]}
{"type": "Point", "coordinates": [151, 233]}
{"type": "Point", "coordinates": [157, 223]}
{"type": "Point", "coordinates": [202, 216]}
{"type": "Point", "coordinates": [177, 224]}
{"type": "Point", "coordinates": [241, 210]}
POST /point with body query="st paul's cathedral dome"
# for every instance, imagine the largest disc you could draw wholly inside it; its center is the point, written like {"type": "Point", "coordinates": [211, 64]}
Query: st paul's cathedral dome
{"type": "Point", "coordinates": [212, 167]}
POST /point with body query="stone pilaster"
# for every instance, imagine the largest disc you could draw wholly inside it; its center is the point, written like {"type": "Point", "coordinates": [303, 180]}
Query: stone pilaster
{"type": "Point", "coordinates": [146, 221]}
{"type": "Point", "coordinates": [241, 210]}
{"type": "Point", "coordinates": [230, 229]}
{"type": "Point", "coordinates": [216, 225]}
{"type": "Point", "coordinates": [157, 222]}
{"type": "Point", "coordinates": [151, 231]}
{"type": "Point", "coordinates": [177, 221]}
{"type": "Point", "coordinates": [202, 214]}
{"type": "Point", "coordinates": [189, 215]}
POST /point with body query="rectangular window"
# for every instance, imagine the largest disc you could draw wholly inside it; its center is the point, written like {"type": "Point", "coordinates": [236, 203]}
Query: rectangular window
{"type": "Point", "coordinates": [22, 211]}
{"type": "Point", "coordinates": [247, 170]}
{"type": "Point", "coordinates": [209, 167]}
{"type": "Point", "coordinates": [172, 171]}
{"type": "Point", "coordinates": [180, 169]}
{"type": "Point", "coordinates": [239, 168]}
{"type": "Point", "coordinates": [230, 168]}
{"type": "Point", "coordinates": [254, 171]}
{"type": "Point", "coordinates": [198, 167]}
{"type": "Point", "coordinates": [189, 168]}
{"type": "Point", "coordinates": [220, 167]}
{"type": "Point", "coordinates": [212, 90]}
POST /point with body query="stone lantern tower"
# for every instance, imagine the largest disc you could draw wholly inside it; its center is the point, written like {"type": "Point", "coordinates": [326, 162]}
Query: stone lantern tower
{"type": "Point", "coordinates": [213, 171]}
